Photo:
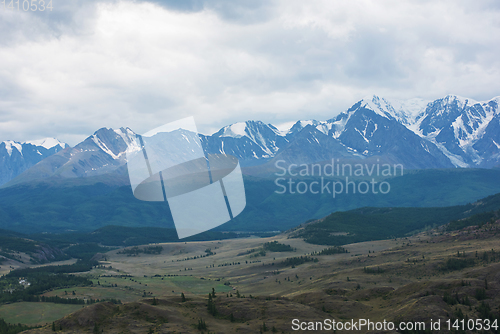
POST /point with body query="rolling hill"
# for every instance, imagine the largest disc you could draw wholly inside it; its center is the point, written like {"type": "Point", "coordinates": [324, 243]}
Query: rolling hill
{"type": "Point", "coordinates": [370, 223]}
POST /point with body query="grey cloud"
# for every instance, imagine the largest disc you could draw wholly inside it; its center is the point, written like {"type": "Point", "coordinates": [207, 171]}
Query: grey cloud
{"type": "Point", "coordinates": [243, 11]}
{"type": "Point", "coordinates": [66, 17]}
{"type": "Point", "coordinates": [183, 6]}
{"type": "Point", "coordinates": [87, 65]}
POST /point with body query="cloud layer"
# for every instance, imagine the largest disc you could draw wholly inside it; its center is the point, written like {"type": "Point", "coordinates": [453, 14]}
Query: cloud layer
{"type": "Point", "coordinates": [89, 64]}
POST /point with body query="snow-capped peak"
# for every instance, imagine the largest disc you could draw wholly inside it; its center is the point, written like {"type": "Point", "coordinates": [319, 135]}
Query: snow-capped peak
{"type": "Point", "coordinates": [10, 145]}
{"type": "Point", "coordinates": [48, 143]}
{"type": "Point", "coordinates": [246, 129]}
{"type": "Point", "coordinates": [460, 100]}
{"type": "Point", "coordinates": [380, 105]}
{"type": "Point", "coordinates": [402, 111]}
{"type": "Point", "coordinates": [236, 130]}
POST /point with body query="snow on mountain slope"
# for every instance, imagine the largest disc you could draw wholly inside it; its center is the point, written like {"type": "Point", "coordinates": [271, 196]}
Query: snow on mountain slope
{"type": "Point", "coordinates": [48, 143]}
{"type": "Point", "coordinates": [16, 157]}
{"type": "Point", "coordinates": [266, 136]}
{"type": "Point", "coordinates": [456, 124]}
{"type": "Point", "coordinates": [12, 145]}
{"type": "Point", "coordinates": [404, 111]}
{"type": "Point", "coordinates": [385, 108]}
{"type": "Point", "coordinates": [450, 131]}
{"type": "Point", "coordinates": [448, 127]}
{"type": "Point", "coordinates": [376, 128]}
{"type": "Point", "coordinates": [236, 130]}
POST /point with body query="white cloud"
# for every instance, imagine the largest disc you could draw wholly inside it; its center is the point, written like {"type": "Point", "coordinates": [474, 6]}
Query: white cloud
{"type": "Point", "coordinates": [142, 64]}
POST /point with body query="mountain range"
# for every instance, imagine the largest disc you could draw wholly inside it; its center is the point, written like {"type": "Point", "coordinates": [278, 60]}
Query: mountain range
{"type": "Point", "coordinates": [16, 157]}
{"type": "Point", "coordinates": [446, 133]}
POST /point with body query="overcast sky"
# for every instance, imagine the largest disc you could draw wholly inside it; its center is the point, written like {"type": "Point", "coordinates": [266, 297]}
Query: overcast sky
{"type": "Point", "coordinates": [89, 64]}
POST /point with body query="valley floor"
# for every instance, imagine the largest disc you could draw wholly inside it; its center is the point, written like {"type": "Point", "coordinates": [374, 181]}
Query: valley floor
{"type": "Point", "coordinates": [433, 275]}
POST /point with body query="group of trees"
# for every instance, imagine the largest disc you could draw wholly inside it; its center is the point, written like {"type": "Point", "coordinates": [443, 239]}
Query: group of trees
{"type": "Point", "coordinates": [208, 252]}
{"type": "Point", "coordinates": [331, 251]}
{"type": "Point", "coordinates": [295, 261]}
{"type": "Point", "coordinates": [134, 251]}
{"type": "Point", "coordinates": [272, 246]}
{"type": "Point", "coordinates": [6, 328]}
{"type": "Point", "coordinates": [377, 223]}
{"type": "Point", "coordinates": [275, 246]}
{"type": "Point", "coordinates": [85, 251]}
{"type": "Point", "coordinates": [258, 252]}
{"type": "Point", "coordinates": [475, 220]}
{"type": "Point", "coordinates": [42, 279]}
{"type": "Point", "coordinates": [61, 300]}
{"type": "Point", "coordinates": [458, 264]}
{"type": "Point", "coordinates": [40, 283]}
{"type": "Point", "coordinates": [228, 264]}
{"type": "Point", "coordinates": [483, 310]}
{"type": "Point", "coordinates": [79, 266]}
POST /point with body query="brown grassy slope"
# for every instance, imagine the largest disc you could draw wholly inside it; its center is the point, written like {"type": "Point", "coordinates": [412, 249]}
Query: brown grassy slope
{"type": "Point", "coordinates": [173, 316]}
